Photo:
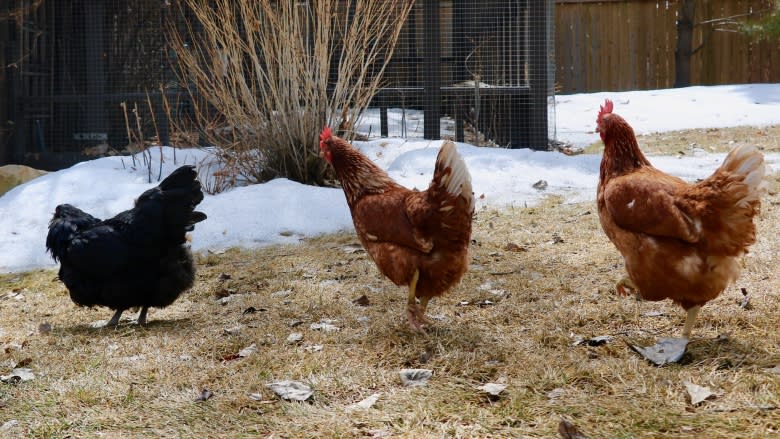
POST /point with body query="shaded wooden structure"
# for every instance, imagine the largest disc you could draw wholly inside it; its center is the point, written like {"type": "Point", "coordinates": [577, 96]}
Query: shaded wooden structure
{"type": "Point", "coordinates": [630, 45]}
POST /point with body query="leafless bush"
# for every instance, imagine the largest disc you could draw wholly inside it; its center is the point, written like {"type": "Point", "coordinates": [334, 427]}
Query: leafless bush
{"type": "Point", "coordinates": [259, 74]}
{"type": "Point", "coordinates": [20, 11]}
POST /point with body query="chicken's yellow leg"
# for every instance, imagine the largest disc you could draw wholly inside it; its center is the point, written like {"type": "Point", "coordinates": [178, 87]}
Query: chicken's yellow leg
{"type": "Point", "coordinates": [690, 320]}
{"type": "Point", "coordinates": [412, 310]}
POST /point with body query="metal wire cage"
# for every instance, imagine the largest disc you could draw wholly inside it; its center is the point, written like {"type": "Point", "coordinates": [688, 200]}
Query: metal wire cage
{"type": "Point", "coordinates": [481, 71]}
{"type": "Point", "coordinates": [81, 78]}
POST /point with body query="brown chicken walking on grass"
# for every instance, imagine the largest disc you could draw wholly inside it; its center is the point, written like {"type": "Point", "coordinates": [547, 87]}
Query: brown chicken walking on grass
{"type": "Point", "coordinates": [680, 241]}
{"type": "Point", "coordinates": [416, 238]}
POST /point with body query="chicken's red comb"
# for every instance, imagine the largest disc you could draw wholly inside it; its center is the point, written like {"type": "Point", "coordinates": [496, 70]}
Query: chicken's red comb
{"type": "Point", "coordinates": [325, 134]}
{"type": "Point", "coordinates": [605, 109]}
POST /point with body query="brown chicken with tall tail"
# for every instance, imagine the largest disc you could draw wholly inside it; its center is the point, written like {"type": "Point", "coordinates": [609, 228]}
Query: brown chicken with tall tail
{"type": "Point", "coordinates": [680, 241]}
{"type": "Point", "coordinates": [416, 238]}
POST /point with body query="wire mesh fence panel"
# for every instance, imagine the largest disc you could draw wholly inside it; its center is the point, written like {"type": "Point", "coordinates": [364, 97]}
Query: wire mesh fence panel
{"type": "Point", "coordinates": [475, 71]}
{"type": "Point", "coordinates": [85, 78]}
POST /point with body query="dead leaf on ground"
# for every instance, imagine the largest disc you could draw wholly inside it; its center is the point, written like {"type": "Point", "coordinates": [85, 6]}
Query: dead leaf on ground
{"type": "Point", "coordinates": [281, 293]}
{"type": "Point", "coordinates": [20, 374]}
{"type": "Point", "coordinates": [697, 393]}
{"type": "Point", "coordinates": [593, 341]}
{"type": "Point", "coordinates": [313, 348]}
{"type": "Point", "coordinates": [353, 248]}
{"type": "Point", "coordinates": [224, 292]}
{"type": "Point", "coordinates": [294, 337]}
{"type": "Point", "coordinates": [247, 351]}
{"type": "Point", "coordinates": [555, 393]}
{"type": "Point", "coordinates": [9, 425]}
{"type": "Point", "coordinates": [16, 295]}
{"type": "Point", "coordinates": [362, 301]}
{"type": "Point", "coordinates": [512, 247]}
{"type": "Point", "coordinates": [324, 325]}
{"type": "Point", "coordinates": [24, 362]}
{"type": "Point", "coordinates": [233, 330]}
{"type": "Point", "coordinates": [230, 357]}
{"type": "Point", "coordinates": [291, 390]}
{"type": "Point", "coordinates": [570, 150]}
{"type": "Point", "coordinates": [666, 350]}
{"type": "Point", "coordinates": [415, 377]}
{"type": "Point", "coordinates": [205, 395]}
{"type": "Point", "coordinates": [567, 430]}
{"type": "Point", "coordinates": [366, 403]}
{"type": "Point", "coordinates": [492, 389]}
{"type": "Point", "coordinates": [252, 310]}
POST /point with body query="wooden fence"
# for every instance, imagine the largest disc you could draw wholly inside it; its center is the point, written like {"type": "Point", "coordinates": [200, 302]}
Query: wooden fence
{"type": "Point", "coordinates": [613, 45]}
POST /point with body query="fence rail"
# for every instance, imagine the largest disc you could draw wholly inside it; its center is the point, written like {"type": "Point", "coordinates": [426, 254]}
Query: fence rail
{"type": "Point", "coordinates": [630, 45]}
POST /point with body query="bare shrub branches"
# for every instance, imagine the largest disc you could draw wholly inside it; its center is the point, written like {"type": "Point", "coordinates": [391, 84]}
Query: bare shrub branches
{"type": "Point", "coordinates": [259, 74]}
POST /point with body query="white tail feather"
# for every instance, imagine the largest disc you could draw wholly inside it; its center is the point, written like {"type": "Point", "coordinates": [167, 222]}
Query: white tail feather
{"type": "Point", "coordinates": [748, 161]}
{"type": "Point", "coordinates": [458, 181]}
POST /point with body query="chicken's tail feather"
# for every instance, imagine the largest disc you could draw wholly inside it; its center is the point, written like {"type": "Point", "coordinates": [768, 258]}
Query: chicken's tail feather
{"type": "Point", "coordinates": [737, 187]}
{"type": "Point", "coordinates": [453, 175]}
{"type": "Point", "coordinates": [182, 192]}
{"type": "Point", "coordinates": [747, 161]}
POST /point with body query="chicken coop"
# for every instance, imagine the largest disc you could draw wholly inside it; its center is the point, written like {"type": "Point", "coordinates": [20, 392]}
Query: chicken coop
{"type": "Point", "coordinates": [85, 78]}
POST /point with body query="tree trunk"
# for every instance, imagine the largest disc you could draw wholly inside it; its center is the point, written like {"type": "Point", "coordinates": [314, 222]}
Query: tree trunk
{"type": "Point", "coordinates": [682, 56]}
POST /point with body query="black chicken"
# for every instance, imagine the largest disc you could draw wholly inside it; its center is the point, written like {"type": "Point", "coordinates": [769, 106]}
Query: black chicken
{"type": "Point", "coordinates": [138, 258]}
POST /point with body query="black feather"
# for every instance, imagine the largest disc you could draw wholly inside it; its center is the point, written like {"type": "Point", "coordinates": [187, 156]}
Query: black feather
{"type": "Point", "coordinates": [139, 258]}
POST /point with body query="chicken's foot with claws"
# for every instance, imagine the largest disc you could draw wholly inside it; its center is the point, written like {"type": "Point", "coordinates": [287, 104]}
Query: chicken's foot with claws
{"type": "Point", "coordinates": [625, 283]}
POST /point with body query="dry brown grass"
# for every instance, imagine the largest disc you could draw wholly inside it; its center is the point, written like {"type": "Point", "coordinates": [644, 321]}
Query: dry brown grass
{"type": "Point", "coordinates": [143, 382]}
{"type": "Point", "coordinates": [707, 139]}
